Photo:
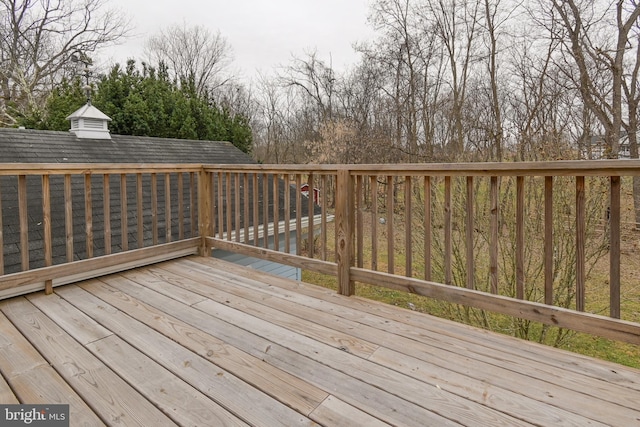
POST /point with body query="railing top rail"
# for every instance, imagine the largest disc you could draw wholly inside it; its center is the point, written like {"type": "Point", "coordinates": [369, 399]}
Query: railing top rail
{"type": "Point", "coordinates": [615, 167]}
{"type": "Point", "coordinates": [93, 168]}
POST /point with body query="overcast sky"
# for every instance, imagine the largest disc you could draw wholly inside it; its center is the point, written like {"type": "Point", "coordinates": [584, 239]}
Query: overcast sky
{"type": "Point", "coordinates": [262, 33]}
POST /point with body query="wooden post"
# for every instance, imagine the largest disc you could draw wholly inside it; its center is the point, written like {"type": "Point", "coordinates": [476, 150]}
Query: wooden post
{"type": "Point", "coordinates": [204, 211]}
{"type": "Point", "coordinates": [345, 231]}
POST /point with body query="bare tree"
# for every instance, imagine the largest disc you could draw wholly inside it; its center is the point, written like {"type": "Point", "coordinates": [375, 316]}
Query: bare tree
{"type": "Point", "coordinates": [315, 79]}
{"type": "Point", "coordinates": [456, 25]}
{"type": "Point", "coordinates": [632, 95]}
{"type": "Point", "coordinates": [37, 41]}
{"type": "Point", "coordinates": [594, 55]}
{"type": "Point", "coordinates": [193, 54]}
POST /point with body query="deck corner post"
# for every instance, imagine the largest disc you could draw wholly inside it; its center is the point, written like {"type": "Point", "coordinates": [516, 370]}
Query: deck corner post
{"type": "Point", "coordinates": [204, 211]}
{"type": "Point", "coordinates": [345, 231]}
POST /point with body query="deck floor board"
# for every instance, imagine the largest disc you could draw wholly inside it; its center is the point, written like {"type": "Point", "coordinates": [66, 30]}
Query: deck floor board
{"type": "Point", "coordinates": [198, 341]}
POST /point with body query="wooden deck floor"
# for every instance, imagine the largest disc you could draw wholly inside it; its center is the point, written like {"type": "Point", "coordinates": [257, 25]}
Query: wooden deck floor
{"type": "Point", "coordinates": [200, 342]}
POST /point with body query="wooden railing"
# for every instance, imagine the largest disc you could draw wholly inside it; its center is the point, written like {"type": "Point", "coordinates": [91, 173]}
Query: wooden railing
{"type": "Point", "coordinates": [64, 223]}
{"type": "Point", "coordinates": [521, 239]}
{"type": "Point", "coordinates": [528, 240]}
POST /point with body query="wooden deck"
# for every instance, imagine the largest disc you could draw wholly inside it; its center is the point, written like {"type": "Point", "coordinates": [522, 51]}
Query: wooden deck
{"type": "Point", "coordinates": [197, 341]}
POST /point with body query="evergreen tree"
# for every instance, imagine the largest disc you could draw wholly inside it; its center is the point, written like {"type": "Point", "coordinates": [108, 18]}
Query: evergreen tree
{"type": "Point", "coordinates": [145, 103]}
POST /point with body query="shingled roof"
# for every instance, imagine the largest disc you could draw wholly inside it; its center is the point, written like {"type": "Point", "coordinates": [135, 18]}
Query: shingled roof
{"type": "Point", "coordinates": [35, 146]}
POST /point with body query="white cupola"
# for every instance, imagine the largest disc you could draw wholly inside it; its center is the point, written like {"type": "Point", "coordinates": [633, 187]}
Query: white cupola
{"type": "Point", "coordinates": [90, 123]}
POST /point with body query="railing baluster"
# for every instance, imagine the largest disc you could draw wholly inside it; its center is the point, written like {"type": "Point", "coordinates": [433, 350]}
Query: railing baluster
{"type": "Point", "coordinates": [180, 206]}
{"type": "Point", "coordinates": [287, 213]}
{"type": "Point", "coordinates": [311, 210]}
{"type": "Point", "coordinates": [220, 209]}
{"type": "Point", "coordinates": [390, 231]}
{"type": "Point", "coordinates": [448, 274]}
{"type": "Point", "coordinates": [374, 223]}
{"type": "Point", "coordinates": [229, 205]}
{"type": "Point", "coordinates": [256, 197]}
{"type": "Point", "coordinates": [205, 202]}
{"type": "Point", "coordinates": [298, 215]}
{"type": "Point", "coordinates": [580, 242]}
{"type": "Point", "coordinates": [167, 206]}
{"type": "Point", "coordinates": [493, 248]}
{"type": "Point", "coordinates": [614, 251]}
{"type": "Point", "coordinates": [106, 204]}
{"type": "Point", "coordinates": [124, 212]}
{"type": "Point", "coordinates": [323, 198]}
{"type": "Point", "coordinates": [359, 224]}
{"type": "Point", "coordinates": [276, 207]}
{"type": "Point", "coordinates": [140, 208]}
{"type": "Point", "coordinates": [24, 223]}
{"type": "Point", "coordinates": [237, 207]}
{"type": "Point", "coordinates": [68, 217]}
{"type": "Point", "coordinates": [211, 192]}
{"type": "Point", "coordinates": [548, 240]}
{"type": "Point", "coordinates": [427, 228]}
{"type": "Point", "coordinates": [408, 219]}
{"type": "Point", "coordinates": [88, 215]}
{"type": "Point", "coordinates": [192, 201]}
{"type": "Point", "coordinates": [46, 220]}
{"type": "Point", "coordinates": [154, 208]}
{"type": "Point", "coordinates": [520, 237]}
{"type": "Point", "coordinates": [265, 211]}
{"type": "Point", "coordinates": [469, 235]}
{"type": "Point", "coordinates": [245, 184]}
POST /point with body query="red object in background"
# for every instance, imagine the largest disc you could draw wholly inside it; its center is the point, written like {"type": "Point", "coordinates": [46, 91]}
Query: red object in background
{"type": "Point", "coordinates": [304, 189]}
